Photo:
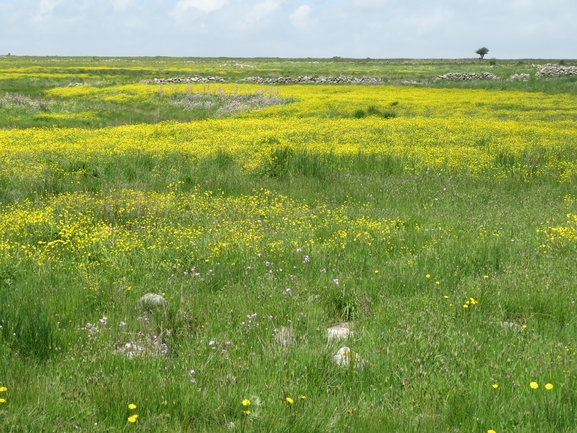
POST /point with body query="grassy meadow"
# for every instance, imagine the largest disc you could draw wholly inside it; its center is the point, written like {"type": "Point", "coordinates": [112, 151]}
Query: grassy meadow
{"type": "Point", "coordinates": [437, 221]}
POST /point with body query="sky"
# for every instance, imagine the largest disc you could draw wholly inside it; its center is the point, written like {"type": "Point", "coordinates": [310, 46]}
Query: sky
{"type": "Point", "coordinates": [510, 29]}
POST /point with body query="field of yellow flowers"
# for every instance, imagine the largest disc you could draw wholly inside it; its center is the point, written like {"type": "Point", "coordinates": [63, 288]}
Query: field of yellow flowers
{"type": "Point", "coordinates": [194, 273]}
{"type": "Point", "coordinates": [443, 131]}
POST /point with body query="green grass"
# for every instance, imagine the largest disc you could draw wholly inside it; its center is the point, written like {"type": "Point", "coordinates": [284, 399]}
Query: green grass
{"type": "Point", "coordinates": [32, 76]}
{"type": "Point", "coordinates": [21, 111]}
{"type": "Point", "coordinates": [429, 363]}
{"type": "Point", "coordinates": [430, 366]}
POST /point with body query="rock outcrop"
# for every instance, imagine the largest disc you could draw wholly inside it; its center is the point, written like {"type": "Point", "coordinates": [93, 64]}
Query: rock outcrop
{"type": "Point", "coordinates": [523, 77]}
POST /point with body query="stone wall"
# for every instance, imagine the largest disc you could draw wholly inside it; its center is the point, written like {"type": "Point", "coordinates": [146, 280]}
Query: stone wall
{"type": "Point", "coordinates": [466, 76]}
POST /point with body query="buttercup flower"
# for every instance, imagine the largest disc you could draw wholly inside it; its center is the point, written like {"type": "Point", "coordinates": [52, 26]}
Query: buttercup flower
{"type": "Point", "coordinates": [246, 402]}
{"type": "Point", "coordinates": [131, 406]}
{"type": "Point", "coordinates": [3, 389]}
{"type": "Point", "coordinates": [549, 386]}
{"type": "Point", "coordinates": [132, 418]}
{"type": "Point", "coordinates": [289, 400]}
{"type": "Point", "coordinates": [534, 385]}
{"type": "Point", "coordinates": [495, 386]}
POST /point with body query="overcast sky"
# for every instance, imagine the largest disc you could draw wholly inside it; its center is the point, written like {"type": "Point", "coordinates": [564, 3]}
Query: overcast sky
{"type": "Point", "coordinates": [291, 28]}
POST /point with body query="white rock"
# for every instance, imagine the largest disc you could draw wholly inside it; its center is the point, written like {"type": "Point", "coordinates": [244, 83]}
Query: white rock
{"type": "Point", "coordinates": [336, 333]}
{"type": "Point", "coordinates": [131, 350]}
{"type": "Point", "coordinates": [511, 326]}
{"type": "Point", "coordinates": [344, 356]}
{"type": "Point", "coordinates": [150, 301]}
{"type": "Point", "coordinates": [285, 336]}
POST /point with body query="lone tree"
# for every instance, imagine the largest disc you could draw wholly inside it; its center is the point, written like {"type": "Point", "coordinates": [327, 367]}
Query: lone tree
{"type": "Point", "coordinates": [482, 52]}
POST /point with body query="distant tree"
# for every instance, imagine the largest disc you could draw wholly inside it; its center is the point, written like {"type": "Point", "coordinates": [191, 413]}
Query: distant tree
{"type": "Point", "coordinates": [482, 51]}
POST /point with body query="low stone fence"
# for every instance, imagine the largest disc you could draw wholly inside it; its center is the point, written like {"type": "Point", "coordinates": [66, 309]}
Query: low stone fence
{"type": "Point", "coordinates": [180, 80]}
{"type": "Point", "coordinates": [312, 80]}
{"type": "Point", "coordinates": [556, 71]}
{"type": "Point", "coordinates": [466, 76]}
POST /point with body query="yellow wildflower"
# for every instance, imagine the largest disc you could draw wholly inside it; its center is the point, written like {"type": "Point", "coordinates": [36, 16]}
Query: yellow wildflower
{"type": "Point", "coordinates": [131, 406]}
{"type": "Point", "coordinates": [133, 418]}
{"type": "Point", "coordinates": [246, 402]}
{"type": "Point", "coordinates": [246, 412]}
{"type": "Point", "coordinates": [534, 385]}
{"type": "Point", "coordinates": [495, 386]}
{"type": "Point", "coordinates": [3, 389]}
{"type": "Point", "coordinates": [549, 386]}
{"type": "Point", "coordinates": [289, 400]}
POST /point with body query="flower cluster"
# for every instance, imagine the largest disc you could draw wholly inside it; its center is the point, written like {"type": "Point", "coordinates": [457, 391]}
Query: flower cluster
{"type": "Point", "coordinates": [470, 302]}
{"type": "Point", "coordinates": [132, 418]}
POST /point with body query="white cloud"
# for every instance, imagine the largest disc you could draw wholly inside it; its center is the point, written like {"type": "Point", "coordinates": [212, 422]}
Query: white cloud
{"type": "Point", "coordinates": [245, 28]}
{"type": "Point", "coordinates": [121, 5]}
{"type": "Point", "coordinates": [521, 4]}
{"type": "Point", "coordinates": [263, 9]}
{"type": "Point", "coordinates": [134, 24]}
{"type": "Point", "coordinates": [427, 23]}
{"type": "Point", "coordinates": [369, 3]}
{"type": "Point", "coordinates": [205, 6]}
{"type": "Point", "coordinates": [300, 17]}
{"type": "Point", "coordinates": [45, 9]}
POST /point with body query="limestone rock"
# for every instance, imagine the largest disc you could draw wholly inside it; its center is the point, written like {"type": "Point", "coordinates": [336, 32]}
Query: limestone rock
{"type": "Point", "coordinates": [285, 336]}
{"type": "Point", "coordinates": [303, 79]}
{"type": "Point", "coordinates": [131, 350]}
{"type": "Point", "coordinates": [152, 301]}
{"type": "Point", "coordinates": [344, 357]}
{"type": "Point", "coordinates": [523, 77]}
{"type": "Point", "coordinates": [511, 326]}
{"type": "Point", "coordinates": [189, 80]}
{"type": "Point", "coordinates": [556, 70]}
{"type": "Point", "coordinates": [339, 332]}
{"type": "Point", "coordinates": [466, 76]}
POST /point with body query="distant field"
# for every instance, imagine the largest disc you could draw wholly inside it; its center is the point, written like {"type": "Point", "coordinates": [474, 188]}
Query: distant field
{"type": "Point", "coordinates": [436, 220]}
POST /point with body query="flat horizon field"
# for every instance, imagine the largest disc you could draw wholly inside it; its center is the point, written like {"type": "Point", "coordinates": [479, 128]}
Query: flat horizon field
{"type": "Point", "coordinates": [179, 256]}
